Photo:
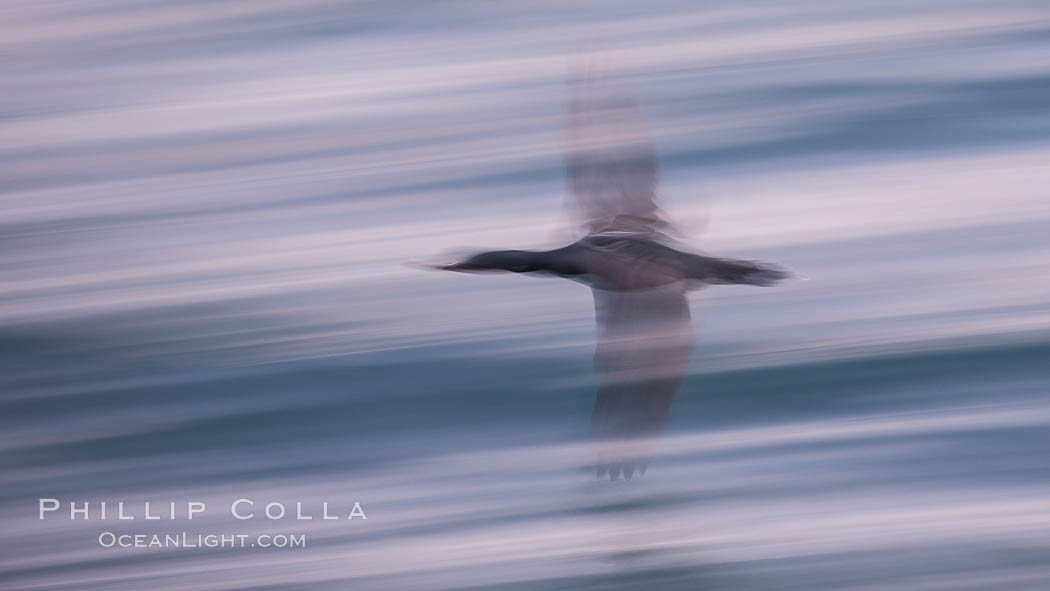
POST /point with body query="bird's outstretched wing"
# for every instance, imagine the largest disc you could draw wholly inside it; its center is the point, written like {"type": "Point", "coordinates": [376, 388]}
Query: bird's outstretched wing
{"type": "Point", "coordinates": [609, 156]}
{"type": "Point", "coordinates": [645, 341]}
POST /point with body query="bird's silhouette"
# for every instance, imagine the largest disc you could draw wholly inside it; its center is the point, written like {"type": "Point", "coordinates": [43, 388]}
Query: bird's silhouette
{"type": "Point", "coordinates": [638, 277]}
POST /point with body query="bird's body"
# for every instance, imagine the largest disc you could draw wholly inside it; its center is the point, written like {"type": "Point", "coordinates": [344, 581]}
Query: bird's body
{"type": "Point", "coordinates": [620, 261]}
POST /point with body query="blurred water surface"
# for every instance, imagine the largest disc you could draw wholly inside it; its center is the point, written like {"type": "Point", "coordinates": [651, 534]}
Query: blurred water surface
{"type": "Point", "coordinates": [207, 211]}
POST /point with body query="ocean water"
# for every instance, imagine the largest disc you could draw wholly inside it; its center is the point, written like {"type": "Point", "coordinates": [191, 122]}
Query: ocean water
{"type": "Point", "coordinates": [208, 211]}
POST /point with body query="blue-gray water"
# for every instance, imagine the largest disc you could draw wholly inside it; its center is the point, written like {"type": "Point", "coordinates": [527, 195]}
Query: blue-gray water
{"type": "Point", "coordinates": [207, 208]}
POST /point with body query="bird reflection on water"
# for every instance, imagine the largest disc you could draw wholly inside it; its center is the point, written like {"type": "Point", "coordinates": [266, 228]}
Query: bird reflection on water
{"type": "Point", "coordinates": [638, 275]}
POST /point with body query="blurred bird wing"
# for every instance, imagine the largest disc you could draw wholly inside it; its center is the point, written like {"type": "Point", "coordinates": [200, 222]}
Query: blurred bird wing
{"type": "Point", "coordinates": [645, 344]}
{"type": "Point", "coordinates": [610, 158]}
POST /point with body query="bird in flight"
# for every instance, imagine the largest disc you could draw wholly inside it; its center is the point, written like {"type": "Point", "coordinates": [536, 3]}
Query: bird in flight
{"type": "Point", "coordinates": [639, 279]}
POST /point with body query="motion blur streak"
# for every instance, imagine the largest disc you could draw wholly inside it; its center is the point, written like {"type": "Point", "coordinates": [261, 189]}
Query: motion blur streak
{"type": "Point", "coordinates": [207, 208]}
